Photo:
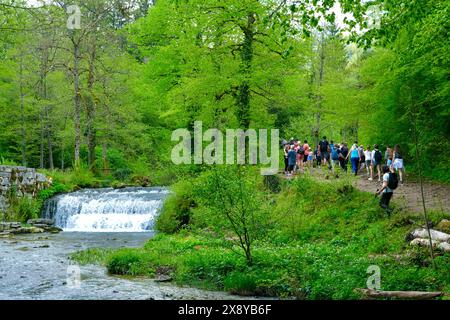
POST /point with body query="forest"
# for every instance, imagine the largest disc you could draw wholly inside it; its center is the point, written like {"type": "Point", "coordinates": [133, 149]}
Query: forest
{"type": "Point", "coordinates": [135, 72]}
{"type": "Point", "coordinates": [92, 90]}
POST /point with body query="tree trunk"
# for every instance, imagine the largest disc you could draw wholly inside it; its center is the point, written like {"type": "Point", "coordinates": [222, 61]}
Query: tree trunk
{"type": "Point", "coordinates": [243, 96]}
{"type": "Point", "coordinates": [104, 158]}
{"type": "Point", "coordinates": [77, 102]}
{"type": "Point", "coordinates": [41, 149]}
{"type": "Point", "coordinates": [90, 109]}
{"type": "Point", "coordinates": [319, 98]}
{"type": "Point", "coordinates": [415, 295]}
{"type": "Point", "coordinates": [23, 142]}
{"type": "Point", "coordinates": [49, 141]}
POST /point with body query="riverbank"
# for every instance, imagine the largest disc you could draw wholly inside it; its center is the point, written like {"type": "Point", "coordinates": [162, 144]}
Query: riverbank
{"type": "Point", "coordinates": [316, 240]}
{"type": "Point", "coordinates": [38, 266]}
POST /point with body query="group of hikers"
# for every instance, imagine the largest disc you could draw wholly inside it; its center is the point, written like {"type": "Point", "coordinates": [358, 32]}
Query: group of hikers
{"type": "Point", "coordinates": [298, 155]}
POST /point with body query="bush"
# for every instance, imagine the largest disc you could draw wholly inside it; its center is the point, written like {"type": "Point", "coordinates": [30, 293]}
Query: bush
{"type": "Point", "coordinates": [240, 283]}
{"type": "Point", "coordinates": [51, 191]}
{"type": "Point", "coordinates": [177, 209]}
{"type": "Point", "coordinates": [128, 262]}
{"type": "Point", "coordinates": [28, 209]}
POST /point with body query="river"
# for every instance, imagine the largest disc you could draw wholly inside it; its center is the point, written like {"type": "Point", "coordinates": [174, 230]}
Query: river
{"type": "Point", "coordinates": [38, 266]}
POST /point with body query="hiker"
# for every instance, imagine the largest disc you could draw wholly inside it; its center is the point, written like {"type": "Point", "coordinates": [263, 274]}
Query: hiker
{"type": "Point", "coordinates": [318, 156]}
{"type": "Point", "coordinates": [376, 162]}
{"type": "Point", "coordinates": [292, 157]}
{"type": "Point", "coordinates": [324, 149]}
{"type": "Point", "coordinates": [388, 155]}
{"type": "Point", "coordinates": [343, 153]}
{"type": "Point", "coordinates": [368, 158]}
{"type": "Point", "coordinates": [362, 157]}
{"type": "Point", "coordinates": [334, 161]}
{"type": "Point", "coordinates": [354, 157]}
{"type": "Point", "coordinates": [308, 155]}
{"type": "Point", "coordinates": [300, 156]}
{"type": "Point", "coordinates": [390, 183]}
{"type": "Point", "coordinates": [398, 162]}
{"type": "Point", "coordinates": [296, 147]}
{"type": "Point", "coordinates": [286, 163]}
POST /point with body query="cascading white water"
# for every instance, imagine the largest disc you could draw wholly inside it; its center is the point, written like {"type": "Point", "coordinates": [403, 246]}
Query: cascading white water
{"type": "Point", "coordinates": [106, 210]}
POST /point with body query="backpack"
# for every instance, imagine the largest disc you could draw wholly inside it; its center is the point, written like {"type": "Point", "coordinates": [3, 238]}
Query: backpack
{"type": "Point", "coordinates": [378, 156]}
{"type": "Point", "coordinates": [334, 154]}
{"type": "Point", "coordinates": [393, 181]}
{"type": "Point", "coordinates": [323, 146]}
{"type": "Point", "coordinates": [301, 150]}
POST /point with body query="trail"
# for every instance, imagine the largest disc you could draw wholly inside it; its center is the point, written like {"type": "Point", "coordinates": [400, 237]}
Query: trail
{"type": "Point", "coordinates": [406, 196]}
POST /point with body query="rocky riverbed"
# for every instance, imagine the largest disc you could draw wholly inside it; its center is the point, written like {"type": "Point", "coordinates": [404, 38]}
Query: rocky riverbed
{"type": "Point", "coordinates": [38, 266]}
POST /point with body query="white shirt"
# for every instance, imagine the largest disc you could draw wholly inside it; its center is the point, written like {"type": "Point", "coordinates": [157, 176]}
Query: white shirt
{"type": "Point", "coordinates": [368, 155]}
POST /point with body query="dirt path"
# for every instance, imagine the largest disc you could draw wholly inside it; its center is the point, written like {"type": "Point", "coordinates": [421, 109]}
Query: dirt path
{"type": "Point", "coordinates": [407, 196]}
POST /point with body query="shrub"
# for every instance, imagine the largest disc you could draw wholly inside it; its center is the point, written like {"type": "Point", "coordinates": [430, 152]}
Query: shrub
{"type": "Point", "coordinates": [28, 208]}
{"type": "Point", "coordinates": [177, 209]}
{"type": "Point", "coordinates": [240, 283]}
{"type": "Point", "coordinates": [128, 262]}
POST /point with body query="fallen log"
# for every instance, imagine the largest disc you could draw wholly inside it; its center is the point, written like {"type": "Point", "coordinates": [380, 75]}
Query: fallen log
{"type": "Point", "coordinates": [423, 233]}
{"type": "Point", "coordinates": [444, 246]}
{"type": "Point", "coordinates": [414, 295]}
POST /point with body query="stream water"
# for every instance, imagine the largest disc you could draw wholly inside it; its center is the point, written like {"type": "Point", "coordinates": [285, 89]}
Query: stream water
{"type": "Point", "coordinates": [37, 266]}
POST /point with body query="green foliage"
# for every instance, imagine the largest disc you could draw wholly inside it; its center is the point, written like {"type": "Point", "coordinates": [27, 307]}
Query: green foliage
{"type": "Point", "coordinates": [27, 209]}
{"type": "Point", "coordinates": [322, 238]}
{"type": "Point", "coordinates": [54, 189]}
{"type": "Point", "coordinates": [92, 256]}
{"type": "Point", "coordinates": [240, 283]}
{"type": "Point", "coordinates": [177, 209]}
{"type": "Point", "coordinates": [127, 262]}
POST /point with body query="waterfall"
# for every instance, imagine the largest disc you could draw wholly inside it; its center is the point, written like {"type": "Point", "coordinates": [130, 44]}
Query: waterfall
{"type": "Point", "coordinates": [106, 210]}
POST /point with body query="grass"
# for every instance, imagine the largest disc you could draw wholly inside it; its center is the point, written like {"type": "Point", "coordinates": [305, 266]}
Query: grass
{"type": "Point", "coordinates": [322, 239]}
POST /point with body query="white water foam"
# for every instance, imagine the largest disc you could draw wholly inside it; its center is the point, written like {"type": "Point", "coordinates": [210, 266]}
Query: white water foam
{"type": "Point", "coordinates": [106, 210]}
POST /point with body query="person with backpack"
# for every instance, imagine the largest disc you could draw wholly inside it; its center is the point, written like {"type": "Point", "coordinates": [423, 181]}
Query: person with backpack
{"type": "Point", "coordinates": [286, 163]}
{"type": "Point", "coordinates": [390, 183]}
{"type": "Point", "coordinates": [343, 153]}
{"type": "Point", "coordinates": [376, 162]}
{"type": "Point", "coordinates": [362, 157]}
{"type": "Point", "coordinates": [317, 156]}
{"type": "Point", "coordinates": [354, 158]}
{"type": "Point", "coordinates": [292, 157]}
{"type": "Point", "coordinates": [388, 155]}
{"type": "Point", "coordinates": [368, 158]}
{"type": "Point", "coordinates": [334, 155]}
{"type": "Point", "coordinates": [398, 162]}
{"type": "Point", "coordinates": [324, 147]}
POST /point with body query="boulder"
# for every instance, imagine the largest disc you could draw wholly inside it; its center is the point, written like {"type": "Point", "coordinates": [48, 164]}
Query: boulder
{"type": "Point", "coordinates": [163, 278]}
{"type": "Point", "coordinates": [15, 225]}
{"type": "Point", "coordinates": [41, 178]}
{"type": "Point", "coordinates": [423, 233]}
{"type": "Point", "coordinates": [41, 221]}
{"type": "Point", "coordinates": [444, 246]}
{"type": "Point", "coordinates": [27, 230]}
{"type": "Point", "coordinates": [424, 242]}
{"type": "Point", "coordinates": [444, 225]}
{"type": "Point", "coordinates": [53, 229]}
